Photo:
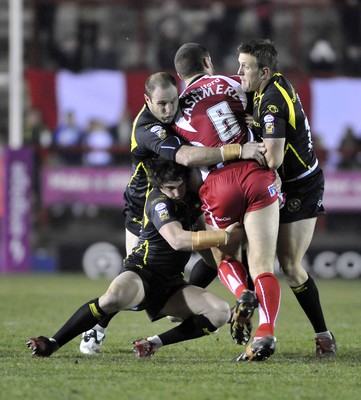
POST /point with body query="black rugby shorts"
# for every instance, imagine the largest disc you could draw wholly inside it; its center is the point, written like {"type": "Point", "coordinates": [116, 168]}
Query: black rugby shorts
{"type": "Point", "coordinates": [304, 198]}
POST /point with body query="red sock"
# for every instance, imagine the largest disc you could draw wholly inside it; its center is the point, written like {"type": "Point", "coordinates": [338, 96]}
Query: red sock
{"type": "Point", "coordinates": [268, 292]}
{"type": "Point", "coordinates": [233, 275]}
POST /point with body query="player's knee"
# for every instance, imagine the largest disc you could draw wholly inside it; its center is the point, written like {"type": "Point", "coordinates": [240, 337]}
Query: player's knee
{"type": "Point", "coordinates": [109, 302]}
{"type": "Point", "coordinates": [220, 313]}
{"type": "Point", "coordinates": [294, 273]}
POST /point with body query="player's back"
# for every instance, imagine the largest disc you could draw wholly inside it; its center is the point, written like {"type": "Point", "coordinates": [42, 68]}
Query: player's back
{"type": "Point", "coordinates": [213, 112]}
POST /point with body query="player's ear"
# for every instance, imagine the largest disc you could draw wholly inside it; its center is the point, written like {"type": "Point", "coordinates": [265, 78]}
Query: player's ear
{"type": "Point", "coordinates": [265, 71]}
{"type": "Point", "coordinates": [207, 61]}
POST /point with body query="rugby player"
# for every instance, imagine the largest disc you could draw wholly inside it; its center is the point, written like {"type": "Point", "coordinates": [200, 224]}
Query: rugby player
{"type": "Point", "coordinates": [213, 108]}
{"type": "Point", "coordinates": [152, 276]}
{"type": "Point", "coordinates": [279, 121]}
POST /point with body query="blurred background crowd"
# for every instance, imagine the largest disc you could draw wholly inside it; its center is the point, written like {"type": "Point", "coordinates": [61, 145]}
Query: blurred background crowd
{"type": "Point", "coordinates": [320, 38]}
{"type": "Point", "coordinates": [315, 39]}
{"type": "Point", "coordinates": [311, 35]}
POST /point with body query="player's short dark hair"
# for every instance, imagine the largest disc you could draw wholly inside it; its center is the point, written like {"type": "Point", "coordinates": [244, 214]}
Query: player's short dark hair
{"type": "Point", "coordinates": [161, 171]}
{"type": "Point", "coordinates": [159, 79]}
{"type": "Point", "coordinates": [263, 50]}
{"type": "Point", "coordinates": [188, 60]}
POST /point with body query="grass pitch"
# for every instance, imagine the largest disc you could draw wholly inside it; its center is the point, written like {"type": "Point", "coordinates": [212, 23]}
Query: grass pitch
{"type": "Point", "coordinates": [201, 369]}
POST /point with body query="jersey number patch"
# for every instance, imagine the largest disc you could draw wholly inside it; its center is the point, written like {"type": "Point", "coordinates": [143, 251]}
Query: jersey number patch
{"type": "Point", "coordinates": [224, 121]}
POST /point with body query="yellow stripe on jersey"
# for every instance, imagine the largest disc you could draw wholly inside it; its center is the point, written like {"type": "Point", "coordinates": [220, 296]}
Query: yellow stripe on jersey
{"type": "Point", "coordinates": [140, 165]}
{"type": "Point", "coordinates": [259, 98]}
{"type": "Point", "coordinates": [291, 108]}
{"type": "Point", "coordinates": [290, 147]}
{"type": "Point", "coordinates": [144, 246]}
{"type": "Point", "coordinates": [133, 142]}
{"type": "Point", "coordinates": [145, 217]}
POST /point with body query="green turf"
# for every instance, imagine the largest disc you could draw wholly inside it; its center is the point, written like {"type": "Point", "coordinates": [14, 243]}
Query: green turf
{"type": "Point", "coordinates": [201, 369]}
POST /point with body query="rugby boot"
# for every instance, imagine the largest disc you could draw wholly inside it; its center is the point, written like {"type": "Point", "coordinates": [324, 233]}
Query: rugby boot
{"type": "Point", "coordinates": [92, 341]}
{"type": "Point", "coordinates": [260, 350]}
{"type": "Point", "coordinates": [326, 347]}
{"type": "Point", "coordinates": [143, 348]}
{"type": "Point", "coordinates": [241, 322]}
{"type": "Point", "coordinates": [42, 346]}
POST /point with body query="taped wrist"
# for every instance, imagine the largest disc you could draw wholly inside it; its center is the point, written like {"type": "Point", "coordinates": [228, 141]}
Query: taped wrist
{"type": "Point", "coordinates": [231, 151]}
{"type": "Point", "coordinates": [206, 239]}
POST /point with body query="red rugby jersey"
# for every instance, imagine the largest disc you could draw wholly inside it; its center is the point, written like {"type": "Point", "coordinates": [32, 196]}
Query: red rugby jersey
{"type": "Point", "coordinates": [213, 109]}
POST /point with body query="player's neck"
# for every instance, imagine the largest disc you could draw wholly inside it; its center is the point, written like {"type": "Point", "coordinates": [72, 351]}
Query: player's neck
{"type": "Point", "coordinates": [193, 78]}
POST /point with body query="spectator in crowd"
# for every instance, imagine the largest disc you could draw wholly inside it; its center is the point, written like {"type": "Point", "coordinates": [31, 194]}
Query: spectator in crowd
{"type": "Point", "coordinates": [68, 139]}
{"type": "Point", "coordinates": [322, 56]}
{"type": "Point", "coordinates": [218, 33]}
{"type": "Point", "coordinates": [97, 142]}
{"type": "Point", "coordinates": [36, 132]}
{"type": "Point", "coordinates": [350, 17]}
{"type": "Point", "coordinates": [68, 55]}
{"type": "Point", "coordinates": [45, 21]}
{"type": "Point", "coordinates": [350, 150]}
{"type": "Point", "coordinates": [264, 15]}
{"type": "Point", "coordinates": [87, 36]}
{"type": "Point", "coordinates": [124, 128]}
{"type": "Point", "coordinates": [320, 149]}
{"type": "Point", "coordinates": [38, 136]}
{"type": "Point", "coordinates": [105, 57]}
{"type": "Point", "coordinates": [171, 30]}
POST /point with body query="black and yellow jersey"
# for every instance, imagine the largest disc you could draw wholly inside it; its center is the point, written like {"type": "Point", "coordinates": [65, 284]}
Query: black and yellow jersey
{"type": "Point", "coordinates": [150, 138]}
{"type": "Point", "coordinates": [152, 251]}
{"type": "Point", "coordinates": [278, 113]}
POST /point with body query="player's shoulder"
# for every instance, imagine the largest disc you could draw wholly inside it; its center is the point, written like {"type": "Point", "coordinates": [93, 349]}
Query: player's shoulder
{"type": "Point", "coordinates": [278, 85]}
{"type": "Point", "coordinates": [273, 94]}
{"type": "Point", "coordinates": [146, 120]}
{"type": "Point", "coordinates": [158, 205]}
{"type": "Point", "coordinates": [148, 124]}
{"type": "Point", "coordinates": [155, 197]}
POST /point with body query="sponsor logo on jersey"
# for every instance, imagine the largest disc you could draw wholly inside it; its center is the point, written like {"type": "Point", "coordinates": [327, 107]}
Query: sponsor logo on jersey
{"type": "Point", "coordinates": [162, 211]}
{"type": "Point", "coordinates": [159, 131]}
{"type": "Point", "coordinates": [223, 219]}
{"type": "Point", "coordinates": [272, 190]}
{"type": "Point", "coordinates": [163, 214]}
{"type": "Point", "coordinates": [272, 109]}
{"type": "Point", "coordinates": [160, 206]}
{"type": "Point", "coordinates": [270, 128]}
{"type": "Point", "coordinates": [269, 124]}
{"type": "Point", "coordinates": [293, 205]}
{"type": "Point", "coordinates": [268, 118]}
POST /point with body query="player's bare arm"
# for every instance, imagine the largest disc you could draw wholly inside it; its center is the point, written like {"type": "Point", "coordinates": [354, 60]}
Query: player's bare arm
{"type": "Point", "coordinates": [179, 239]}
{"type": "Point", "coordinates": [192, 156]}
{"type": "Point", "coordinates": [274, 152]}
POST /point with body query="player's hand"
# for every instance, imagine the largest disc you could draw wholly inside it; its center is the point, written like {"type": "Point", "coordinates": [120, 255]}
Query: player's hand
{"type": "Point", "coordinates": [254, 151]}
{"type": "Point", "coordinates": [249, 120]}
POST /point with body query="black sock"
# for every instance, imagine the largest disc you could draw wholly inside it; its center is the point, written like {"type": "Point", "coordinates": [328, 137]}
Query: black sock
{"type": "Point", "coordinates": [83, 319]}
{"type": "Point", "coordinates": [202, 274]}
{"type": "Point", "coordinates": [308, 297]}
{"type": "Point", "coordinates": [192, 328]}
{"type": "Point", "coordinates": [250, 283]}
{"type": "Point", "coordinates": [104, 322]}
